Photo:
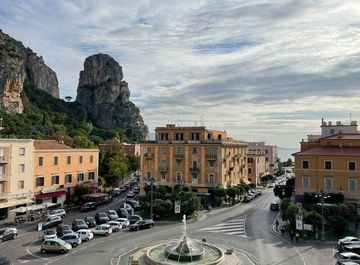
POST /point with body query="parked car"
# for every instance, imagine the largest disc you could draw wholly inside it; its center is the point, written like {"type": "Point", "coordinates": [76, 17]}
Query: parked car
{"type": "Point", "coordinates": [90, 221]}
{"type": "Point", "coordinates": [122, 212]}
{"type": "Point", "coordinates": [103, 230]}
{"type": "Point", "coordinates": [122, 189]}
{"type": "Point", "coordinates": [49, 234]}
{"type": "Point", "coordinates": [116, 192]}
{"type": "Point", "coordinates": [128, 208]}
{"type": "Point", "coordinates": [55, 245]}
{"type": "Point", "coordinates": [348, 256]}
{"type": "Point", "coordinates": [51, 222]}
{"type": "Point", "coordinates": [85, 234]}
{"type": "Point", "coordinates": [105, 201]}
{"type": "Point", "coordinates": [134, 218]}
{"type": "Point", "coordinates": [89, 206]}
{"type": "Point", "coordinates": [347, 239]}
{"type": "Point", "coordinates": [130, 194]}
{"type": "Point", "coordinates": [350, 247]}
{"type": "Point", "coordinates": [141, 224]}
{"type": "Point", "coordinates": [78, 224]}
{"type": "Point", "coordinates": [62, 230]}
{"type": "Point", "coordinates": [134, 204]}
{"type": "Point", "coordinates": [271, 185]}
{"type": "Point", "coordinates": [123, 221]}
{"type": "Point", "coordinates": [73, 239]}
{"type": "Point", "coordinates": [8, 233]}
{"type": "Point", "coordinates": [58, 212]}
{"type": "Point", "coordinates": [101, 218]}
{"type": "Point", "coordinates": [274, 206]}
{"type": "Point", "coordinates": [5, 260]}
{"type": "Point", "coordinates": [127, 185]}
{"type": "Point", "coordinates": [246, 199]}
{"type": "Point", "coordinates": [136, 189]}
{"type": "Point", "coordinates": [112, 214]}
{"type": "Point", "coordinates": [116, 226]}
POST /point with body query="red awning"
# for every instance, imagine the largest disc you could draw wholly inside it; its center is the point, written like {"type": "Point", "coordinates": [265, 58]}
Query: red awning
{"type": "Point", "coordinates": [50, 195]}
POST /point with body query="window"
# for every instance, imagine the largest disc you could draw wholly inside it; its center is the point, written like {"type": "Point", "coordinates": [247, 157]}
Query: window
{"type": "Point", "coordinates": [163, 150]}
{"type": "Point", "coordinates": [195, 136]}
{"type": "Point", "coordinates": [55, 180]}
{"type": "Point", "coordinates": [211, 164]}
{"type": "Point", "coordinates": [91, 176]}
{"type": "Point", "coordinates": [332, 131]}
{"type": "Point", "coordinates": [178, 163]}
{"type": "Point", "coordinates": [68, 160]}
{"type": "Point", "coordinates": [194, 178]}
{"type": "Point", "coordinates": [266, 159]}
{"type": "Point", "coordinates": [249, 171]}
{"type": "Point", "coordinates": [266, 151]}
{"type": "Point", "coordinates": [351, 166]}
{"type": "Point", "coordinates": [21, 168]}
{"type": "Point", "coordinates": [148, 175]}
{"type": "Point", "coordinates": [328, 165]}
{"type": "Point", "coordinates": [80, 177]}
{"type": "Point", "coordinates": [328, 183]}
{"type": "Point", "coordinates": [250, 160]}
{"type": "Point", "coordinates": [352, 184]}
{"type": "Point", "coordinates": [306, 182]}
{"type": "Point", "coordinates": [194, 150]}
{"type": "Point", "coordinates": [211, 151]}
{"type": "Point", "coordinates": [41, 161]}
{"type": "Point", "coordinates": [20, 185]}
{"type": "Point", "coordinates": [179, 136]}
{"type": "Point", "coordinates": [91, 159]}
{"type": "Point", "coordinates": [56, 160]}
{"type": "Point", "coordinates": [22, 151]}
{"type": "Point", "coordinates": [305, 164]}
{"type": "Point", "coordinates": [179, 151]}
{"type": "Point", "coordinates": [164, 136]}
{"type": "Point", "coordinates": [163, 177]}
{"type": "Point", "coordinates": [211, 178]}
{"type": "Point", "coordinates": [178, 176]}
{"type": "Point", "coordinates": [2, 187]}
{"type": "Point", "coordinates": [210, 136]}
{"type": "Point", "coordinates": [68, 178]}
{"type": "Point", "coordinates": [39, 181]}
{"type": "Point", "coordinates": [80, 159]}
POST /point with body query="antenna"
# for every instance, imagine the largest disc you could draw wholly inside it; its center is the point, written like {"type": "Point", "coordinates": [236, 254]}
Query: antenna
{"type": "Point", "coordinates": [202, 120]}
{"type": "Point", "coordinates": [350, 117]}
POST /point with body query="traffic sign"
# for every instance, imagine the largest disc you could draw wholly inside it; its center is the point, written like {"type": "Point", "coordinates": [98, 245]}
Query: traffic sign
{"type": "Point", "coordinates": [177, 207]}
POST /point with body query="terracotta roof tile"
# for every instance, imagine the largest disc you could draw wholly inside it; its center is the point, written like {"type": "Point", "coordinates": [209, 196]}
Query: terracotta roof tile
{"type": "Point", "coordinates": [331, 151]}
{"type": "Point", "coordinates": [49, 144]}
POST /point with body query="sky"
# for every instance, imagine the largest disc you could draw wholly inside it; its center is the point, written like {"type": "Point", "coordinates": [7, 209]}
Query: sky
{"type": "Point", "coordinates": [265, 70]}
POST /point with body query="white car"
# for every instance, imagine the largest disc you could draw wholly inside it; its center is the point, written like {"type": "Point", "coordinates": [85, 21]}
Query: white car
{"type": "Point", "coordinates": [347, 239]}
{"type": "Point", "coordinates": [85, 234]}
{"type": "Point", "coordinates": [102, 230]}
{"type": "Point", "coordinates": [58, 212]}
{"type": "Point", "coordinates": [116, 226]}
{"type": "Point", "coordinates": [112, 214]}
{"type": "Point", "coordinates": [49, 234]}
{"type": "Point", "coordinates": [123, 221]}
{"type": "Point", "coordinates": [348, 256]}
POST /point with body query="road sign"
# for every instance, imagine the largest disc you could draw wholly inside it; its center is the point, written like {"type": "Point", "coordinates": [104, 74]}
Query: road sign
{"type": "Point", "coordinates": [299, 225]}
{"type": "Point", "coordinates": [308, 227]}
{"type": "Point", "coordinates": [177, 207]}
{"type": "Point", "coordinates": [298, 217]}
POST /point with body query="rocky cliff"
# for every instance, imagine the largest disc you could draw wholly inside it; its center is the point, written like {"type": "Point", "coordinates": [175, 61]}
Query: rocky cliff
{"type": "Point", "coordinates": [105, 96]}
{"type": "Point", "coordinates": [17, 66]}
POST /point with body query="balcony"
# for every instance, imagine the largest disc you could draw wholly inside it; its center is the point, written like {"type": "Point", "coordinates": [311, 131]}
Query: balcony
{"type": "Point", "coordinates": [3, 159]}
{"type": "Point", "coordinates": [194, 170]}
{"type": "Point", "coordinates": [148, 155]}
{"type": "Point", "coordinates": [178, 156]}
{"type": "Point", "coordinates": [231, 165]}
{"type": "Point", "coordinates": [210, 184]}
{"type": "Point", "coordinates": [178, 181]}
{"type": "Point", "coordinates": [3, 178]}
{"type": "Point", "coordinates": [163, 168]}
{"type": "Point", "coordinates": [211, 157]}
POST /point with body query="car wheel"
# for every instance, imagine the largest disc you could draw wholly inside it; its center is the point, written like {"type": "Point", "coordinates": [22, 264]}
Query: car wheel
{"type": "Point", "coordinates": [86, 239]}
{"type": "Point", "coordinates": [106, 234]}
{"type": "Point", "coordinates": [62, 251]}
{"type": "Point", "coordinates": [137, 228]}
{"type": "Point", "coordinates": [117, 230]}
{"type": "Point", "coordinates": [14, 236]}
{"type": "Point", "coordinates": [74, 245]}
{"type": "Point", "coordinates": [43, 251]}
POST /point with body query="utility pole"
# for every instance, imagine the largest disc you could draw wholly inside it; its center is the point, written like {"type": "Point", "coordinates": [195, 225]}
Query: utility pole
{"type": "Point", "coordinates": [151, 197]}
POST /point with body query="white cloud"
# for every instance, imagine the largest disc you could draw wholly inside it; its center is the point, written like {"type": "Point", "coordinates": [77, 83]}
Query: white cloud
{"type": "Point", "coordinates": [263, 69]}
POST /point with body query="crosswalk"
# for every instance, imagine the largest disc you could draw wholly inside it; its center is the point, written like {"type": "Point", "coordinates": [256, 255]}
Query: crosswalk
{"type": "Point", "coordinates": [232, 227]}
{"type": "Point", "coordinates": [258, 205]}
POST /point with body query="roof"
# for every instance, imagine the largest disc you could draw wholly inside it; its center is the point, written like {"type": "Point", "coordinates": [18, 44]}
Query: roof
{"type": "Point", "coordinates": [331, 151]}
{"type": "Point", "coordinates": [344, 136]}
{"type": "Point", "coordinates": [49, 144]}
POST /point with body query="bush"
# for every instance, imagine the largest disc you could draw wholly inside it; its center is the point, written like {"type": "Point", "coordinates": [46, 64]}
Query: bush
{"type": "Point", "coordinates": [162, 207]}
{"type": "Point", "coordinates": [337, 224]}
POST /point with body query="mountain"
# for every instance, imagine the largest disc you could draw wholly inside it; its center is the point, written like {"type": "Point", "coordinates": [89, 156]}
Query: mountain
{"type": "Point", "coordinates": [20, 65]}
{"type": "Point", "coordinates": [105, 96]}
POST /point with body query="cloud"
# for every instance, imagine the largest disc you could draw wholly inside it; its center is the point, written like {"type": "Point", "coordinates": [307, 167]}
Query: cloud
{"type": "Point", "coordinates": [264, 69]}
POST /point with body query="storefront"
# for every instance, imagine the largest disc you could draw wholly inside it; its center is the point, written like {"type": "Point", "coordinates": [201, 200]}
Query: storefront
{"type": "Point", "coordinates": [51, 195]}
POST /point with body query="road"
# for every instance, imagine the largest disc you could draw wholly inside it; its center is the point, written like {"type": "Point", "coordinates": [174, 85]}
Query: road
{"type": "Point", "coordinates": [247, 228]}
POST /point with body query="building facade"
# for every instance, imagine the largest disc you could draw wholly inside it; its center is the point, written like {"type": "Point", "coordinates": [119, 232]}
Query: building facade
{"type": "Point", "coordinates": [330, 164]}
{"type": "Point", "coordinates": [194, 157]}
{"type": "Point", "coordinates": [58, 168]}
{"type": "Point", "coordinates": [256, 166]}
{"type": "Point", "coordinates": [271, 155]}
{"type": "Point", "coordinates": [16, 171]}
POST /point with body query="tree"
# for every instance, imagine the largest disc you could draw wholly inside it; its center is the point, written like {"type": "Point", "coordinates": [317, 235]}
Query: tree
{"type": "Point", "coordinates": [189, 202]}
{"type": "Point", "coordinates": [231, 192]}
{"type": "Point", "coordinates": [290, 213]}
{"type": "Point", "coordinates": [162, 207]}
{"type": "Point", "coordinates": [80, 190]}
{"type": "Point", "coordinates": [134, 162]}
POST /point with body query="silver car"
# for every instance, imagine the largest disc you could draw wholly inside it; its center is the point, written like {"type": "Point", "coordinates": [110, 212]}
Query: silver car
{"type": "Point", "coordinates": [103, 230]}
{"type": "Point", "coordinates": [347, 256]}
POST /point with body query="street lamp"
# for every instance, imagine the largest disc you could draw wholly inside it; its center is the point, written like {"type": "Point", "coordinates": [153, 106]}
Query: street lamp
{"type": "Point", "coordinates": [151, 197]}
{"type": "Point", "coordinates": [322, 199]}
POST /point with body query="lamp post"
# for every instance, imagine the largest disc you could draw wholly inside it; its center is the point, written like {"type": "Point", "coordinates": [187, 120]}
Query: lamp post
{"type": "Point", "coordinates": [322, 199]}
{"type": "Point", "coordinates": [151, 197]}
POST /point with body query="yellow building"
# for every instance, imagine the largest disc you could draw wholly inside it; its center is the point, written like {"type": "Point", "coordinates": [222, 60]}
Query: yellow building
{"type": "Point", "coordinates": [195, 157]}
{"type": "Point", "coordinates": [256, 166]}
{"type": "Point", "coordinates": [16, 174]}
{"type": "Point", "coordinates": [330, 163]}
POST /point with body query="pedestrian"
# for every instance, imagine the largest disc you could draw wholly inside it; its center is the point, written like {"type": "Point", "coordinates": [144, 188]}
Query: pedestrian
{"type": "Point", "coordinates": [277, 224]}
{"type": "Point", "coordinates": [292, 235]}
{"type": "Point", "coordinates": [297, 236]}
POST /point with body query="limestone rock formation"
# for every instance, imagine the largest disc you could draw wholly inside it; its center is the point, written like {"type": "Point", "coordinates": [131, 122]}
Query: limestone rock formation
{"type": "Point", "coordinates": [105, 96]}
{"type": "Point", "coordinates": [17, 66]}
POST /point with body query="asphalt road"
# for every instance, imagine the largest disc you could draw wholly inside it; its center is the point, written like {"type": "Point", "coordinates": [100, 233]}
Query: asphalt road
{"type": "Point", "coordinates": [247, 228]}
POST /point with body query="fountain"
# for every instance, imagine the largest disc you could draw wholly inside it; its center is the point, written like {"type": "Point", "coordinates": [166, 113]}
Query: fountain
{"type": "Point", "coordinates": [185, 251]}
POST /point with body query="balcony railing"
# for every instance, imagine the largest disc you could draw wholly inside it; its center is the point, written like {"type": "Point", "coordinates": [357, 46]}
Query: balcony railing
{"type": "Point", "coordinates": [148, 155]}
{"type": "Point", "coordinates": [178, 156]}
{"type": "Point", "coordinates": [178, 181]}
{"type": "Point", "coordinates": [209, 184]}
{"type": "Point", "coordinates": [3, 178]}
{"type": "Point", "coordinates": [163, 168]}
{"type": "Point", "coordinates": [210, 157]}
{"type": "Point", "coordinates": [194, 181]}
{"type": "Point", "coordinates": [194, 169]}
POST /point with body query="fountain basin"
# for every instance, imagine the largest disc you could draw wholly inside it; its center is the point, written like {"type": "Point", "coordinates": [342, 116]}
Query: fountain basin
{"type": "Point", "coordinates": [196, 253]}
{"type": "Point", "coordinates": [211, 255]}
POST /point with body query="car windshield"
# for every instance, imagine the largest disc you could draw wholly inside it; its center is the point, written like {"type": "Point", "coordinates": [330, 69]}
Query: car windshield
{"type": "Point", "coordinates": [89, 219]}
{"type": "Point", "coordinates": [49, 232]}
{"type": "Point", "coordinates": [2, 232]}
{"type": "Point", "coordinates": [79, 222]}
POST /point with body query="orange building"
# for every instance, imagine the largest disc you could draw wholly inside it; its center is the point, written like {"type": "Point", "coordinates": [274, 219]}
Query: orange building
{"type": "Point", "coordinates": [256, 166]}
{"type": "Point", "coordinates": [59, 168]}
{"type": "Point", "coordinates": [195, 157]}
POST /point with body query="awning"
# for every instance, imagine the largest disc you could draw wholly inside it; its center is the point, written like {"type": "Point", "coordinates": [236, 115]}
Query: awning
{"type": "Point", "coordinates": [246, 181]}
{"type": "Point", "coordinates": [40, 206]}
{"type": "Point", "coordinates": [15, 203]}
{"type": "Point", "coordinates": [50, 195]}
{"type": "Point", "coordinates": [95, 195]}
